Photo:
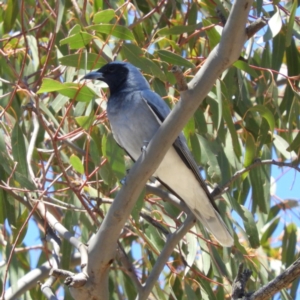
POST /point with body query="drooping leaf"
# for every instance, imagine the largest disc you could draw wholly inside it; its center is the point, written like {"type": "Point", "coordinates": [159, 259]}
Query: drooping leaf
{"type": "Point", "coordinates": [295, 145]}
{"type": "Point", "coordinates": [76, 164]}
{"type": "Point", "coordinates": [191, 248]}
{"type": "Point", "coordinates": [177, 29]}
{"type": "Point", "coordinates": [138, 207]}
{"type": "Point", "coordinates": [174, 59]}
{"type": "Point", "coordinates": [274, 26]}
{"type": "Point", "coordinates": [212, 33]}
{"type": "Point", "coordinates": [87, 61]}
{"type": "Point", "coordinates": [19, 150]}
{"type": "Point", "coordinates": [115, 156]}
{"type": "Point", "coordinates": [104, 16]}
{"type": "Point", "coordinates": [10, 15]}
{"type": "Point", "coordinates": [282, 146]}
{"type": "Point", "coordinates": [117, 31]}
{"type": "Point", "coordinates": [291, 22]}
{"type": "Point", "coordinates": [135, 55]}
{"type": "Point", "coordinates": [78, 40]}
{"type": "Point", "coordinates": [250, 227]}
{"type": "Point", "coordinates": [71, 90]}
{"type": "Point", "coordinates": [85, 122]}
{"type": "Point", "coordinates": [265, 113]}
{"type": "Point", "coordinates": [208, 157]}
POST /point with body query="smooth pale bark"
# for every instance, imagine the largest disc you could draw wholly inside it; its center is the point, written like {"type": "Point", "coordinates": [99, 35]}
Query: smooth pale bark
{"type": "Point", "coordinates": [102, 247]}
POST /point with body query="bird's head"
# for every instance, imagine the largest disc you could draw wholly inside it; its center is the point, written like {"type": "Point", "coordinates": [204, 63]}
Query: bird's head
{"type": "Point", "coordinates": [119, 76]}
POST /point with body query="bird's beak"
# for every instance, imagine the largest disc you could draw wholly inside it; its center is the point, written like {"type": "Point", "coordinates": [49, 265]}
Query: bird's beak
{"type": "Point", "coordinates": [93, 75]}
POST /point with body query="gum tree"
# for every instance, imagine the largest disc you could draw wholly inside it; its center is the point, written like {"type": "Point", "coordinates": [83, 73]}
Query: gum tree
{"type": "Point", "coordinates": [230, 71]}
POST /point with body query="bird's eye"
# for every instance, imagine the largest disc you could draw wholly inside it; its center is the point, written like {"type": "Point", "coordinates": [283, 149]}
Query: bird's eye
{"type": "Point", "coordinates": [111, 69]}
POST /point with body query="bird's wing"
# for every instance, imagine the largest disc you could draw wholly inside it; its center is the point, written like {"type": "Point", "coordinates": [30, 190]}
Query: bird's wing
{"type": "Point", "coordinates": [161, 109]}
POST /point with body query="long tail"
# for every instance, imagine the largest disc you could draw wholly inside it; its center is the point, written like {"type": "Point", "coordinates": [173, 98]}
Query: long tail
{"type": "Point", "coordinates": [216, 226]}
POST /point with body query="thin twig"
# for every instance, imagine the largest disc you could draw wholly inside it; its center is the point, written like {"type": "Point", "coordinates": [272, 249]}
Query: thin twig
{"type": "Point", "coordinates": [172, 240]}
{"type": "Point", "coordinates": [258, 162]}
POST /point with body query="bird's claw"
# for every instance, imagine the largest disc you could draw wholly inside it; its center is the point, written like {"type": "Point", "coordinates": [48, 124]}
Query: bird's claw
{"type": "Point", "coordinates": [123, 181]}
{"type": "Point", "coordinates": [144, 147]}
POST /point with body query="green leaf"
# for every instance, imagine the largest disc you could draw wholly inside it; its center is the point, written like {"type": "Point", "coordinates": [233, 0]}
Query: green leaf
{"type": "Point", "coordinates": [268, 230]}
{"type": "Point", "coordinates": [118, 31]}
{"type": "Point", "coordinates": [104, 16]}
{"type": "Point", "coordinates": [174, 59]}
{"type": "Point", "coordinates": [265, 113]}
{"type": "Point", "coordinates": [293, 59]}
{"type": "Point", "coordinates": [213, 35]}
{"type": "Point", "coordinates": [86, 61]}
{"type": "Point", "coordinates": [289, 244]}
{"type": "Point", "coordinates": [250, 228]}
{"type": "Point", "coordinates": [220, 102]}
{"type": "Point", "coordinates": [85, 122]}
{"type": "Point", "coordinates": [228, 119]}
{"type": "Point", "coordinates": [250, 148]}
{"type": "Point", "coordinates": [154, 239]}
{"type": "Point", "coordinates": [95, 152]}
{"type": "Point", "coordinates": [70, 219]}
{"type": "Point", "coordinates": [218, 263]}
{"type": "Point", "coordinates": [295, 144]}
{"type": "Point", "coordinates": [290, 25]}
{"type": "Point", "coordinates": [282, 145]}
{"type": "Point", "coordinates": [18, 225]}
{"type": "Point", "coordinates": [7, 210]}
{"type": "Point", "coordinates": [23, 181]}
{"type": "Point", "coordinates": [77, 164]}
{"type": "Point", "coordinates": [176, 30]}
{"type": "Point", "coordinates": [10, 15]}
{"type": "Point", "coordinates": [71, 90]}
{"type": "Point", "coordinates": [242, 65]}
{"type": "Point", "coordinates": [209, 158]}
{"type": "Point", "coordinates": [206, 289]}
{"type": "Point", "coordinates": [32, 43]}
{"type": "Point", "coordinates": [115, 156]}
{"type": "Point", "coordinates": [260, 182]}
{"type": "Point", "coordinates": [74, 30]}
{"type": "Point", "coordinates": [19, 150]}
{"type": "Point", "coordinates": [59, 17]}
{"type": "Point", "coordinates": [189, 292]}
{"type": "Point", "coordinates": [274, 26]}
{"type": "Point", "coordinates": [278, 52]}
{"type": "Point", "coordinates": [191, 248]}
{"type": "Point", "coordinates": [5, 160]}
{"type": "Point", "coordinates": [78, 40]}
{"type": "Point", "coordinates": [107, 174]}
{"type": "Point", "coordinates": [135, 55]}
{"type": "Point", "coordinates": [138, 207]}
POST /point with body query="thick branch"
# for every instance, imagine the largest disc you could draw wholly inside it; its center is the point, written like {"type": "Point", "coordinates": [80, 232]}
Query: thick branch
{"type": "Point", "coordinates": [280, 282]}
{"type": "Point", "coordinates": [102, 246]}
{"type": "Point", "coordinates": [29, 280]}
{"type": "Point", "coordinates": [239, 284]}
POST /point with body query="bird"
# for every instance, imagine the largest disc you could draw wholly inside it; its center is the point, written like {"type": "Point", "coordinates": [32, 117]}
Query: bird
{"type": "Point", "coordinates": [135, 113]}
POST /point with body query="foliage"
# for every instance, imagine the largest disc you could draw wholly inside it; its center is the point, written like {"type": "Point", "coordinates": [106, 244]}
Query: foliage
{"type": "Point", "coordinates": [56, 144]}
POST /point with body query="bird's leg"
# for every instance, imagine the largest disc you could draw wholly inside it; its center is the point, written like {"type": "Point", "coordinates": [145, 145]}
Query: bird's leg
{"type": "Point", "coordinates": [123, 180]}
{"type": "Point", "coordinates": [144, 147]}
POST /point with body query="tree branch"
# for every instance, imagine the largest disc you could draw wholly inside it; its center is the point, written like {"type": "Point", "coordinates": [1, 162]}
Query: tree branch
{"type": "Point", "coordinates": [266, 292]}
{"type": "Point", "coordinates": [105, 240]}
{"type": "Point", "coordinates": [172, 240]}
{"type": "Point", "coordinates": [280, 282]}
{"type": "Point", "coordinates": [29, 280]}
{"type": "Point", "coordinates": [258, 162]}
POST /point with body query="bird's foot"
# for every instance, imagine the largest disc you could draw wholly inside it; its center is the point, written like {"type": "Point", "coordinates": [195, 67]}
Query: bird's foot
{"type": "Point", "coordinates": [144, 147]}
